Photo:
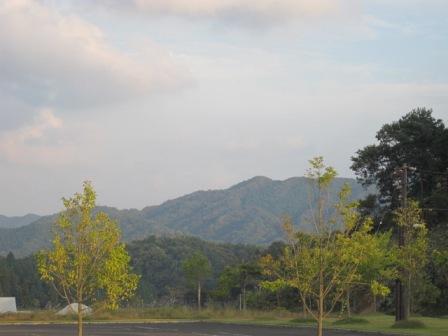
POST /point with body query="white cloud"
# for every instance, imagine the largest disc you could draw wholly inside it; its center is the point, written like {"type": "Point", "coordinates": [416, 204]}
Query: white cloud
{"type": "Point", "coordinates": [29, 143]}
{"type": "Point", "coordinates": [50, 58]}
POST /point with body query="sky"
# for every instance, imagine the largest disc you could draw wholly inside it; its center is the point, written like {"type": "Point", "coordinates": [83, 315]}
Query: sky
{"type": "Point", "coordinates": [154, 99]}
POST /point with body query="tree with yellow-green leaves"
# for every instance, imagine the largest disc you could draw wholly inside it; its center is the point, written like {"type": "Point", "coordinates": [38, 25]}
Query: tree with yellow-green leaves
{"type": "Point", "coordinates": [197, 269]}
{"type": "Point", "coordinates": [87, 262]}
{"type": "Point", "coordinates": [412, 256]}
{"type": "Point", "coordinates": [323, 264]}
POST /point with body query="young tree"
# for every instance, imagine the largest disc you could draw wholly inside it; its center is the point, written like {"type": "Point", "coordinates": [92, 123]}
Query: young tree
{"type": "Point", "coordinates": [197, 269]}
{"type": "Point", "coordinates": [380, 266]}
{"type": "Point", "coordinates": [87, 262]}
{"type": "Point", "coordinates": [239, 278]}
{"type": "Point", "coordinates": [276, 276]}
{"type": "Point", "coordinates": [323, 264]}
{"type": "Point", "coordinates": [413, 255]}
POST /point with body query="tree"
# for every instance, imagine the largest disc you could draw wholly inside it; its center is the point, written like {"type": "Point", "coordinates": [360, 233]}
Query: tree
{"type": "Point", "coordinates": [417, 140]}
{"type": "Point", "coordinates": [197, 269]}
{"type": "Point", "coordinates": [323, 264]}
{"type": "Point", "coordinates": [277, 277]}
{"type": "Point", "coordinates": [239, 278]}
{"type": "Point", "coordinates": [413, 255]}
{"type": "Point", "coordinates": [379, 266]}
{"type": "Point", "coordinates": [87, 262]}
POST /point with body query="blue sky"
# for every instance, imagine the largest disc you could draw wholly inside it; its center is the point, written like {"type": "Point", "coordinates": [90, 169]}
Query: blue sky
{"type": "Point", "coordinates": [152, 99]}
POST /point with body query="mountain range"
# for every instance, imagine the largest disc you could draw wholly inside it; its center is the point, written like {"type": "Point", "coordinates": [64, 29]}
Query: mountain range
{"type": "Point", "coordinates": [249, 212]}
{"type": "Point", "coordinates": [17, 221]}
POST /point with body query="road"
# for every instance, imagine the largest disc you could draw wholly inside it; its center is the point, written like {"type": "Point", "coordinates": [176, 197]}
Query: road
{"type": "Point", "coordinates": [165, 329]}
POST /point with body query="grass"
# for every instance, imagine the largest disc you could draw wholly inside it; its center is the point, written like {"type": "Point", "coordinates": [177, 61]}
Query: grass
{"type": "Point", "coordinates": [351, 320]}
{"type": "Point", "coordinates": [409, 324]}
{"type": "Point", "coordinates": [162, 313]}
{"type": "Point", "coordinates": [386, 324]}
{"type": "Point", "coordinates": [370, 322]}
{"type": "Point", "coordinates": [303, 320]}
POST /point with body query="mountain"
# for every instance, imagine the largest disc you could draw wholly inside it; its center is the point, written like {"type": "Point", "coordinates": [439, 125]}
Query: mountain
{"type": "Point", "coordinates": [18, 221]}
{"type": "Point", "coordinates": [249, 212]}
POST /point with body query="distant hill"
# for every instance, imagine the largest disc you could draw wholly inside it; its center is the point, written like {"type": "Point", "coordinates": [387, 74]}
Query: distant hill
{"type": "Point", "coordinates": [249, 212]}
{"type": "Point", "coordinates": [17, 221]}
{"type": "Point", "coordinates": [159, 262]}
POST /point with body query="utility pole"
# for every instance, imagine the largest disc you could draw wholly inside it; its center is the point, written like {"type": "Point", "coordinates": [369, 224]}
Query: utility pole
{"type": "Point", "coordinates": [401, 290]}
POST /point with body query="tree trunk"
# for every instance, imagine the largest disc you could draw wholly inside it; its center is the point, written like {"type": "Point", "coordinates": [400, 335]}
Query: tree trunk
{"type": "Point", "coordinates": [199, 295]}
{"type": "Point", "coordinates": [374, 303]}
{"type": "Point", "coordinates": [244, 298]}
{"type": "Point", "coordinates": [320, 318]}
{"type": "Point", "coordinates": [349, 312]}
{"type": "Point", "coordinates": [320, 313]}
{"type": "Point", "coordinates": [408, 296]}
{"type": "Point", "coordinates": [80, 319]}
{"type": "Point", "coordinates": [304, 307]}
{"type": "Point", "coordinates": [405, 296]}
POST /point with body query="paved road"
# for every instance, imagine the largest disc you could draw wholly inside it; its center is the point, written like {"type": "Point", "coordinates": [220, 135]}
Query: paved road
{"type": "Point", "coordinates": [164, 329]}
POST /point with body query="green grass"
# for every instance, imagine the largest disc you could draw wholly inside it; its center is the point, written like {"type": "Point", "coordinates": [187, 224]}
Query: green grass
{"type": "Point", "coordinates": [350, 321]}
{"type": "Point", "coordinates": [303, 320]}
{"type": "Point", "coordinates": [409, 324]}
{"type": "Point", "coordinates": [386, 324]}
{"type": "Point", "coordinates": [370, 322]}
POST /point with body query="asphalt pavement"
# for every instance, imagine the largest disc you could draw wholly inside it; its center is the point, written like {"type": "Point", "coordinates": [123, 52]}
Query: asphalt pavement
{"type": "Point", "coordinates": [166, 329]}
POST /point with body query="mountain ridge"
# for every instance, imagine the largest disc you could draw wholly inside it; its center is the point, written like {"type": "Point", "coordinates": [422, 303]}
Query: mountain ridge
{"type": "Point", "coordinates": [10, 222]}
{"type": "Point", "coordinates": [249, 212]}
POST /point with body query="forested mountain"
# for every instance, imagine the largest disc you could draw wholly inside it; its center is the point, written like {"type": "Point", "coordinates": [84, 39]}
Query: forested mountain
{"type": "Point", "coordinates": [157, 260]}
{"type": "Point", "coordinates": [249, 212]}
{"type": "Point", "coordinates": [17, 221]}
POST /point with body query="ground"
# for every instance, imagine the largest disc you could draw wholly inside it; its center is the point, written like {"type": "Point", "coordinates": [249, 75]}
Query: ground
{"type": "Point", "coordinates": [166, 329]}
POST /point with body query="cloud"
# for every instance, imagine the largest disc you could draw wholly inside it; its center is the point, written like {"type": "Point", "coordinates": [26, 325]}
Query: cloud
{"type": "Point", "coordinates": [33, 143]}
{"type": "Point", "coordinates": [52, 59]}
{"type": "Point", "coordinates": [238, 11]}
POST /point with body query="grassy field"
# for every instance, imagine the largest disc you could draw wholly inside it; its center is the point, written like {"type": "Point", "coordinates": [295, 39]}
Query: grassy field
{"type": "Point", "coordinates": [372, 322]}
{"type": "Point", "coordinates": [384, 323]}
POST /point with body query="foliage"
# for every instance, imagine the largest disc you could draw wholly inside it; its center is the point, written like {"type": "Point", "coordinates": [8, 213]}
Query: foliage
{"type": "Point", "coordinates": [324, 264]}
{"type": "Point", "coordinates": [413, 255]}
{"type": "Point", "coordinates": [419, 141]}
{"type": "Point", "coordinates": [197, 269]}
{"type": "Point", "coordinates": [235, 280]}
{"type": "Point", "coordinates": [159, 262]}
{"type": "Point", "coordinates": [156, 259]}
{"type": "Point", "coordinates": [19, 278]}
{"type": "Point", "coordinates": [87, 261]}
